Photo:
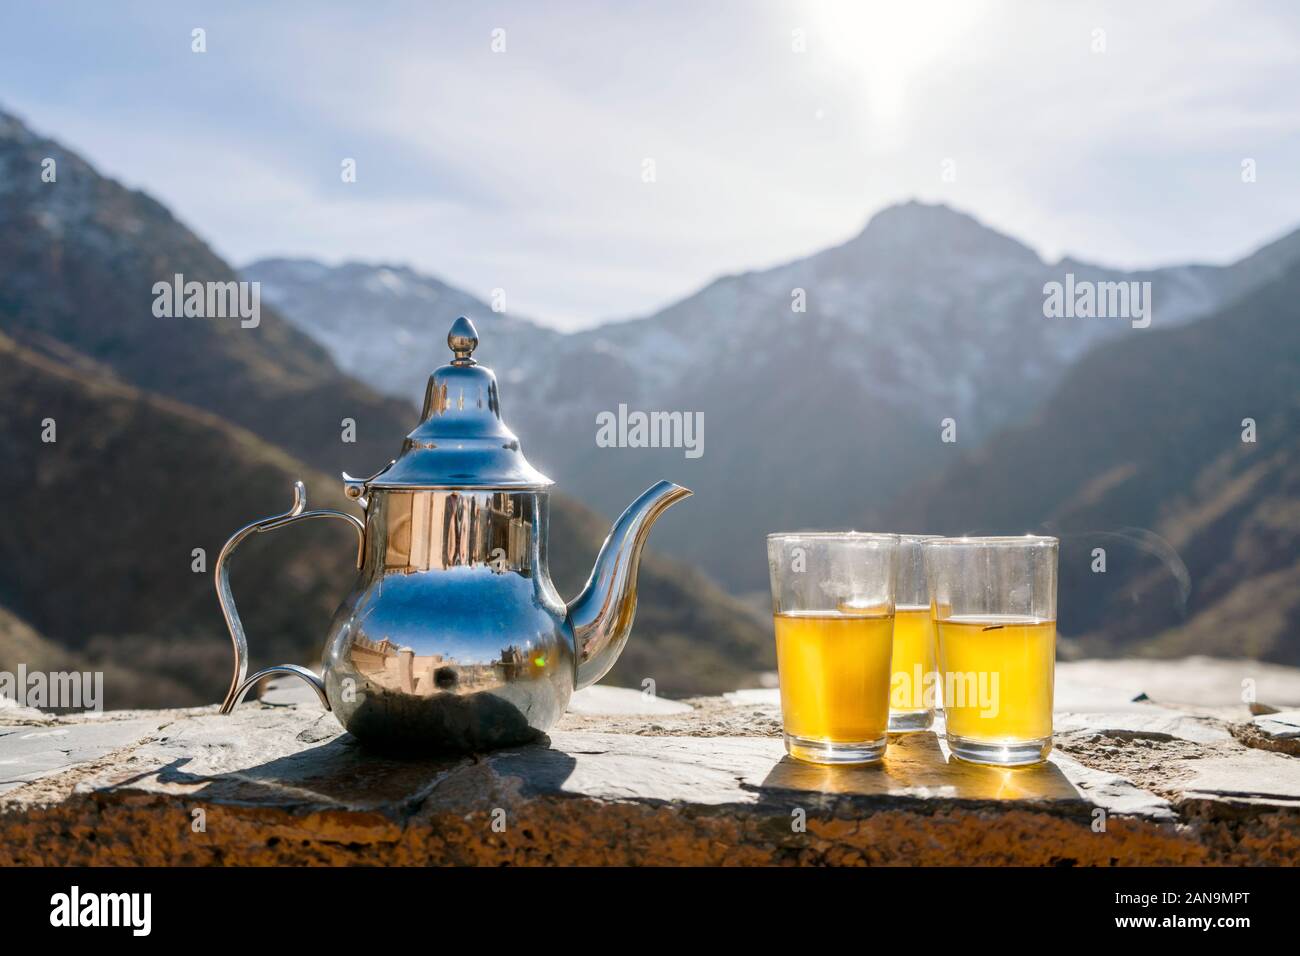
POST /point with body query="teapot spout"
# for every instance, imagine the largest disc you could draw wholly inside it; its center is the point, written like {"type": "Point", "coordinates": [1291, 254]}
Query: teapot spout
{"type": "Point", "coordinates": [601, 616]}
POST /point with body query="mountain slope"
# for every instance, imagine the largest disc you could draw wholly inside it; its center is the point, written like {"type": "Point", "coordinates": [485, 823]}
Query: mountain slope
{"type": "Point", "coordinates": [80, 258]}
{"type": "Point", "coordinates": [172, 433]}
{"type": "Point", "coordinates": [123, 683]}
{"type": "Point", "coordinates": [810, 417]}
{"type": "Point", "coordinates": [98, 551]}
{"type": "Point", "coordinates": [1140, 452]}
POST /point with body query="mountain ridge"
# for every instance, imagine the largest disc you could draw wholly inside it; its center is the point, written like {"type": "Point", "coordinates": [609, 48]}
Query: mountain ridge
{"type": "Point", "coordinates": [1192, 518]}
{"type": "Point", "coordinates": [78, 261]}
{"type": "Point", "coordinates": [926, 314]}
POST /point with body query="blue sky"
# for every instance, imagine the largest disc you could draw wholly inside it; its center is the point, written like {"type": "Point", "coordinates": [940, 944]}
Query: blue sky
{"type": "Point", "coordinates": [523, 169]}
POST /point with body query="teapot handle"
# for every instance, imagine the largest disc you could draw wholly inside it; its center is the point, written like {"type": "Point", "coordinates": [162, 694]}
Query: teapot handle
{"type": "Point", "coordinates": [240, 683]}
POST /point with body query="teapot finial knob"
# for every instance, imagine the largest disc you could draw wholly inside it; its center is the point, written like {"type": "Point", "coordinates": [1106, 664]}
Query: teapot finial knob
{"type": "Point", "coordinates": [463, 340]}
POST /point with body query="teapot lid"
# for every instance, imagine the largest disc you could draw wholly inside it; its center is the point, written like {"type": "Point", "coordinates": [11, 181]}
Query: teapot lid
{"type": "Point", "coordinates": [460, 441]}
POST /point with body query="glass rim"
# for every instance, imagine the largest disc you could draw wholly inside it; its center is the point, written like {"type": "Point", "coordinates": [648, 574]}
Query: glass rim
{"type": "Point", "coordinates": [846, 535]}
{"type": "Point", "coordinates": [994, 541]}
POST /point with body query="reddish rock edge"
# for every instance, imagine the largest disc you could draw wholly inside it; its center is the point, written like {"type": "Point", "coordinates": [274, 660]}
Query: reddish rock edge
{"type": "Point", "coordinates": [282, 785]}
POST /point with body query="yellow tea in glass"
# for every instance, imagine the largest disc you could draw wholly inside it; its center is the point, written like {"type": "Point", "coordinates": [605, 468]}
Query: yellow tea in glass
{"type": "Point", "coordinates": [1018, 655]}
{"type": "Point", "coordinates": [994, 604]}
{"type": "Point", "coordinates": [833, 671]}
{"type": "Point", "coordinates": [913, 681]}
{"type": "Point", "coordinates": [833, 612]}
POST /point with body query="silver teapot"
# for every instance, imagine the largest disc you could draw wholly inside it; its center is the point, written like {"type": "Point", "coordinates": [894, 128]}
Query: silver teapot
{"type": "Point", "coordinates": [453, 637]}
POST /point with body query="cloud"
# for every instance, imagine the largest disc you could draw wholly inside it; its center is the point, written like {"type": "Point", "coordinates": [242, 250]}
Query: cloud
{"type": "Point", "coordinates": [523, 170]}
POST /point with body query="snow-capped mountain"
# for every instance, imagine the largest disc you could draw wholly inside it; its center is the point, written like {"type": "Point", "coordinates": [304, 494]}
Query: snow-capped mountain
{"type": "Point", "coordinates": [823, 381]}
{"type": "Point", "coordinates": [388, 324]}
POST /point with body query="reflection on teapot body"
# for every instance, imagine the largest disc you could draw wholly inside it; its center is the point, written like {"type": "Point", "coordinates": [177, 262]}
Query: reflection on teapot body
{"type": "Point", "coordinates": [454, 638]}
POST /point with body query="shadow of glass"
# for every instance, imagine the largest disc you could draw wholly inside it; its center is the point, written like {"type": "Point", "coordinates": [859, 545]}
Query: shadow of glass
{"type": "Point", "coordinates": [915, 765]}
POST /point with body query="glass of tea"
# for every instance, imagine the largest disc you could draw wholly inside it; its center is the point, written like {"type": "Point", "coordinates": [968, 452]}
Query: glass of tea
{"type": "Point", "coordinates": [913, 683]}
{"type": "Point", "coordinates": [994, 606]}
{"type": "Point", "coordinates": [833, 607]}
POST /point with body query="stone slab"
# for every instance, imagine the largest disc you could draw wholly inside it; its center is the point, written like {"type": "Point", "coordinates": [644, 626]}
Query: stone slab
{"type": "Point", "coordinates": [1196, 682]}
{"type": "Point", "coordinates": [1143, 722]}
{"type": "Point", "coordinates": [1284, 725]}
{"type": "Point", "coordinates": [1251, 776]}
{"type": "Point", "coordinates": [28, 752]}
{"type": "Point", "coordinates": [701, 781]}
{"type": "Point", "coordinates": [298, 758]}
{"type": "Point", "coordinates": [602, 701]}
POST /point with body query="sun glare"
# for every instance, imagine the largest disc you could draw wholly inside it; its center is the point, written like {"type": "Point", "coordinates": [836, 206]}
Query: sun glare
{"type": "Point", "coordinates": [886, 45]}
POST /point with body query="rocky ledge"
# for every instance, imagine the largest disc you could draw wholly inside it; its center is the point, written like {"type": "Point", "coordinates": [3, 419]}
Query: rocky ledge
{"type": "Point", "coordinates": [1156, 763]}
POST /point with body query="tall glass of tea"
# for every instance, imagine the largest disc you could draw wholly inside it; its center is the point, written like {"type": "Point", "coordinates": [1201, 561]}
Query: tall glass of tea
{"type": "Point", "coordinates": [833, 608]}
{"type": "Point", "coordinates": [994, 605]}
{"type": "Point", "coordinates": [913, 682]}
